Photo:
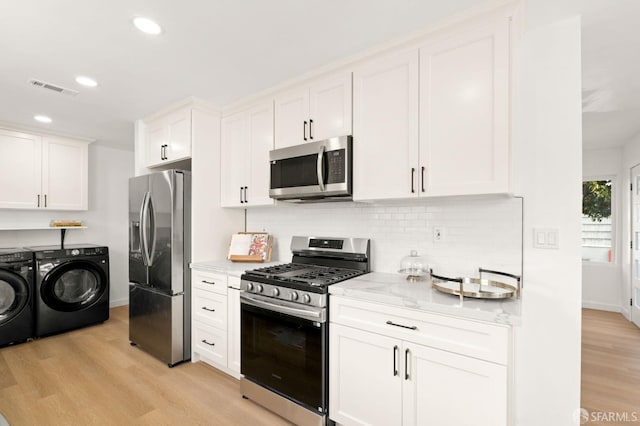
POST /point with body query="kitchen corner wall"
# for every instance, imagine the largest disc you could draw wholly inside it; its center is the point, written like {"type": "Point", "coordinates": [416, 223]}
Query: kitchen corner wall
{"type": "Point", "coordinates": [106, 219]}
{"type": "Point", "coordinates": [477, 232]}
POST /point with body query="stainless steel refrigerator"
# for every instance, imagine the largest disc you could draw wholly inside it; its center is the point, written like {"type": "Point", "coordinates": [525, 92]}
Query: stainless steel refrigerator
{"type": "Point", "coordinates": [159, 256]}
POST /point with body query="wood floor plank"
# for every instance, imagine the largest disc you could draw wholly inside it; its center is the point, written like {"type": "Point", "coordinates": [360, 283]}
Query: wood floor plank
{"type": "Point", "coordinates": [610, 366]}
{"type": "Point", "coordinates": [92, 376]}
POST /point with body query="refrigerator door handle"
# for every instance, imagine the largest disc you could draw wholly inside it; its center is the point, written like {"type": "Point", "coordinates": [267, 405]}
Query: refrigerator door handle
{"type": "Point", "coordinates": [144, 214]}
{"type": "Point", "coordinates": [151, 212]}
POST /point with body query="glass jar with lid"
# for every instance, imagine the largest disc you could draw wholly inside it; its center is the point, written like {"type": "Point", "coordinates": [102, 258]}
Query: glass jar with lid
{"type": "Point", "coordinates": [414, 266]}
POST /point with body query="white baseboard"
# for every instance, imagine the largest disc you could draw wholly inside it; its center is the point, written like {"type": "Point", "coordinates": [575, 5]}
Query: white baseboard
{"type": "Point", "coordinates": [118, 302]}
{"type": "Point", "coordinates": [626, 312]}
{"type": "Point", "coordinates": [601, 306]}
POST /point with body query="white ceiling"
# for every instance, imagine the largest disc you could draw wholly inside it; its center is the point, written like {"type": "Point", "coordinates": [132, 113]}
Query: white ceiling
{"type": "Point", "coordinates": [223, 50]}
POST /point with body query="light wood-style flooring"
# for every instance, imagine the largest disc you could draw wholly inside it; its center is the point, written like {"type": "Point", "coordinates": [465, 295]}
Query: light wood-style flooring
{"type": "Point", "coordinates": [610, 365]}
{"type": "Point", "coordinates": [92, 376]}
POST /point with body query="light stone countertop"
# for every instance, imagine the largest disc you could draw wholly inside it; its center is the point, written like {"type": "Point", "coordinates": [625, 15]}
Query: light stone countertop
{"type": "Point", "coordinates": [395, 290]}
{"type": "Point", "coordinates": [228, 267]}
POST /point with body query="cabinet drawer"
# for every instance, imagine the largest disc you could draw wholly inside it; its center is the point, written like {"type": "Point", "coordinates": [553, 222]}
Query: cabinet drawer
{"type": "Point", "coordinates": [210, 308]}
{"type": "Point", "coordinates": [472, 338]}
{"type": "Point", "coordinates": [209, 281]}
{"type": "Point", "coordinates": [210, 343]}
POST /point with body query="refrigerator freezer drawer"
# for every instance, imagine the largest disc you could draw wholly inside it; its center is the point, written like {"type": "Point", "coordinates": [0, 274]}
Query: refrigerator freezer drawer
{"type": "Point", "coordinates": [157, 324]}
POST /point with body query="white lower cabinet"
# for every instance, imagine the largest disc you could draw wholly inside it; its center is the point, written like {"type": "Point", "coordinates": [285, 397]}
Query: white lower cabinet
{"type": "Point", "coordinates": [215, 325]}
{"type": "Point", "coordinates": [233, 325]}
{"type": "Point", "coordinates": [395, 379]}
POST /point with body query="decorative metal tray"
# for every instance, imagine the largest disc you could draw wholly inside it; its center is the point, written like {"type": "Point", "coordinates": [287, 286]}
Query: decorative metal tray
{"type": "Point", "coordinates": [478, 288]}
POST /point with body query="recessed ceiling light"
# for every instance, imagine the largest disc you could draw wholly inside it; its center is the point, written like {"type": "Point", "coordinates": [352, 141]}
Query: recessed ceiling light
{"type": "Point", "coordinates": [42, 118]}
{"type": "Point", "coordinates": [86, 81]}
{"type": "Point", "coordinates": [146, 25]}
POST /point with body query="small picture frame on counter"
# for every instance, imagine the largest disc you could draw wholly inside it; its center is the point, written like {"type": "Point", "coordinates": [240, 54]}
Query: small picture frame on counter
{"type": "Point", "coordinates": [250, 247]}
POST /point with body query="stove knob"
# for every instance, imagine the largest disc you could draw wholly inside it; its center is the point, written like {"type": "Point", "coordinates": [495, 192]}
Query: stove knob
{"type": "Point", "coordinates": [250, 286]}
{"type": "Point", "coordinates": [275, 292]}
{"type": "Point", "coordinates": [294, 295]}
{"type": "Point", "coordinates": [306, 298]}
{"type": "Point", "coordinates": [259, 288]}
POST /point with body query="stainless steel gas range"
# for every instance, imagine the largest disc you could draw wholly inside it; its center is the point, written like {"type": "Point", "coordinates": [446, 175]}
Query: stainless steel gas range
{"type": "Point", "coordinates": [285, 326]}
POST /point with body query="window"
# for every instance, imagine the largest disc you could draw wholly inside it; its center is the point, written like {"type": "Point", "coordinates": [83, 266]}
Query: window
{"type": "Point", "coordinates": [597, 221]}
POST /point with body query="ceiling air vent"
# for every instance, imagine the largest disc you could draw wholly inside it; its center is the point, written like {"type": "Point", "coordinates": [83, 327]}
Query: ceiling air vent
{"type": "Point", "coordinates": [52, 87]}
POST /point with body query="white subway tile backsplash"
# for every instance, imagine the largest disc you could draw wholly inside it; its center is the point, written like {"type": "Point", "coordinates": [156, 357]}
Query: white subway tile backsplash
{"type": "Point", "coordinates": [478, 232]}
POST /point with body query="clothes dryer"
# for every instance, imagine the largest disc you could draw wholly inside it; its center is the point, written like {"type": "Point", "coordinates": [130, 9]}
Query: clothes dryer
{"type": "Point", "coordinates": [71, 287]}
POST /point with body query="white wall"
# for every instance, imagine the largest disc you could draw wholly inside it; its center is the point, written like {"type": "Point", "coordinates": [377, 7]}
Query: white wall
{"type": "Point", "coordinates": [106, 219]}
{"type": "Point", "coordinates": [477, 232]}
{"type": "Point", "coordinates": [548, 173]}
{"type": "Point", "coordinates": [630, 158]}
{"type": "Point", "coordinates": [602, 282]}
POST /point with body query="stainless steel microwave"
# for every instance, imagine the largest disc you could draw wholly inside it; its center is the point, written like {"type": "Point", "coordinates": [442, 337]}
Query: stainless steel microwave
{"type": "Point", "coordinates": [313, 172]}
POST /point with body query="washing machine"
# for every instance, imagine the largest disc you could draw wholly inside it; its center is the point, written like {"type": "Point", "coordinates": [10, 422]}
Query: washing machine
{"type": "Point", "coordinates": [16, 301]}
{"type": "Point", "coordinates": [71, 287]}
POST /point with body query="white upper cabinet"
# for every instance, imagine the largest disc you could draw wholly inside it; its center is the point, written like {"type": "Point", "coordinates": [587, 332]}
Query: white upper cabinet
{"type": "Point", "coordinates": [464, 111]}
{"type": "Point", "coordinates": [434, 121]}
{"type": "Point", "coordinates": [247, 138]}
{"type": "Point", "coordinates": [316, 112]}
{"type": "Point", "coordinates": [20, 170]}
{"type": "Point", "coordinates": [385, 133]}
{"type": "Point", "coordinates": [64, 174]}
{"type": "Point", "coordinates": [43, 172]}
{"type": "Point", "coordinates": [169, 137]}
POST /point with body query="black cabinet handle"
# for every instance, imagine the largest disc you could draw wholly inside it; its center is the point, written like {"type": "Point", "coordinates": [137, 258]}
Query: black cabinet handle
{"type": "Point", "coordinates": [208, 309]}
{"type": "Point", "coordinates": [208, 282]}
{"type": "Point", "coordinates": [207, 343]}
{"type": "Point", "coordinates": [395, 360]}
{"type": "Point", "coordinates": [406, 364]}
{"type": "Point", "coordinates": [413, 327]}
{"type": "Point", "coordinates": [45, 200]}
{"type": "Point", "coordinates": [423, 178]}
{"type": "Point", "coordinates": [245, 194]}
{"type": "Point", "coordinates": [413, 174]}
{"type": "Point", "coordinates": [304, 131]}
{"type": "Point", "coordinates": [310, 123]}
{"type": "Point", "coordinates": [241, 196]}
{"type": "Point", "coordinates": [38, 200]}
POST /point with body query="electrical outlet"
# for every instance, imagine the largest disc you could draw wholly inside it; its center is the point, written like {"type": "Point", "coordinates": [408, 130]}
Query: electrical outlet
{"type": "Point", "coordinates": [438, 233]}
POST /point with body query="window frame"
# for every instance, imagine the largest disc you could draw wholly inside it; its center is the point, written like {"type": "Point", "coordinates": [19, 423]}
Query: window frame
{"type": "Point", "coordinates": [614, 220]}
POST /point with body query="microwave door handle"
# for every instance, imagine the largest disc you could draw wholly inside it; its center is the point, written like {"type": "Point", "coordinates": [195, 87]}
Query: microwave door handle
{"type": "Point", "coordinates": [319, 170]}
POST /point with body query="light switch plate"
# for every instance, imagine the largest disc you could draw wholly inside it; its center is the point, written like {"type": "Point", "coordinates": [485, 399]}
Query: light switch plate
{"type": "Point", "coordinates": [546, 238]}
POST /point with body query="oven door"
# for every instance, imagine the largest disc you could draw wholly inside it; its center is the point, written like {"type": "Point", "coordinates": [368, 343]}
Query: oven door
{"type": "Point", "coordinates": [313, 170]}
{"type": "Point", "coordinates": [284, 348]}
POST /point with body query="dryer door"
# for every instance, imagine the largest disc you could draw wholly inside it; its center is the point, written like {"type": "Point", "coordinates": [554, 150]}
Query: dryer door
{"type": "Point", "coordinates": [73, 286]}
{"type": "Point", "coordinates": [14, 295]}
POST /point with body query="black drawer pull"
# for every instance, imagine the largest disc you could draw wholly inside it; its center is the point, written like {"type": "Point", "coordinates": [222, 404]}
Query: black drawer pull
{"type": "Point", "coordinates": [413, 327]}
{"type": "Point", "coordinates": [207, 343]}
{"type": "Point", "coordinates": [208, 309]}
{"type": "Point", "coordinates": [208, 282]}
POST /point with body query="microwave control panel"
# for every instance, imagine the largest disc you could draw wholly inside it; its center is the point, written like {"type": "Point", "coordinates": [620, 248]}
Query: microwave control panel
{"type": "Point", "coordinates": [336, 161]}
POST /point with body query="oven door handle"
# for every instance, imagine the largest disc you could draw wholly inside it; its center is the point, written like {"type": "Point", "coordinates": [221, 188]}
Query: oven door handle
{"type": "Point", "coordinates": [318, 315]}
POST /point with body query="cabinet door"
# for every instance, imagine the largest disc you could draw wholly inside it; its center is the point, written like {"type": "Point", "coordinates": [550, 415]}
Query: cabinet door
{"type": "Point", "coordinates": [365, 387]}
{"type": "Point", "coordinates": [233, 325]}
{"type": "Point", "coordinates": [179, 134]}
{"type": "Point", "coordinates": [20, 170]}
{"type": "Point", "coordinates": [292, 118]}
{"type": "Point", "coordinates": [64, 174]}
{"type": "Point", "coordinates": [260, 123]}
{"type": "Point", "coordinates": [330, 107]}
{"type": "Point", "coordinates": [157, 138]}
{"type": "Point", "coordinates": [464, 112]}
{"type": "Point", "coordinates": [443, 388]}
{"type": "Point", "coordinates": [385, 133]}
{"type": "Point", "coordinates": [234, 152]}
